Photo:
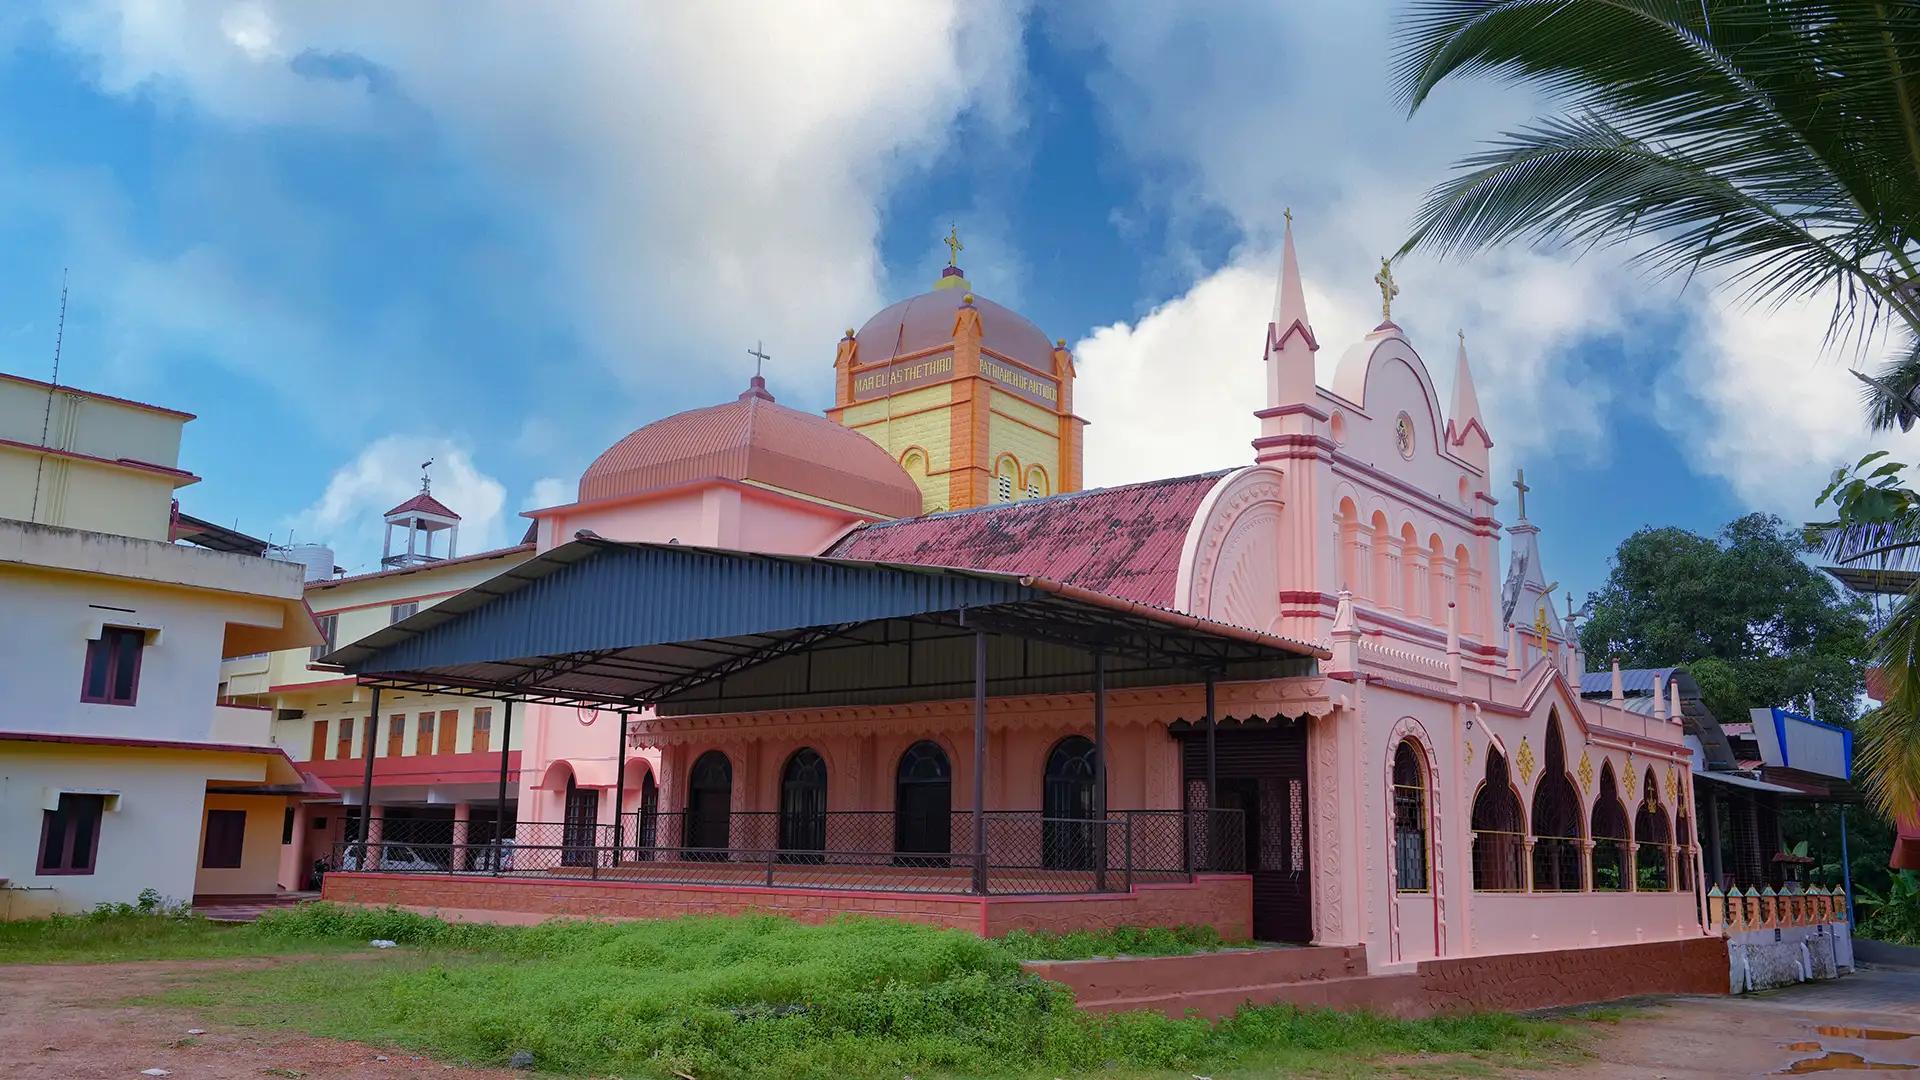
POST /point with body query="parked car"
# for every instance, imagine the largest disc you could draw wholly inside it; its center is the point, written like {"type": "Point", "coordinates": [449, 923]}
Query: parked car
{"type": "Point", "coordinates": [389, 857]}
{"type": "Point", "coordinates": [489, 858]}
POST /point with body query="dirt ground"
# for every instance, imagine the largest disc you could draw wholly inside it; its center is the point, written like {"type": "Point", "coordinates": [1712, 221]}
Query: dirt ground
{"type": "Point", "coordinates": [58, 1023]}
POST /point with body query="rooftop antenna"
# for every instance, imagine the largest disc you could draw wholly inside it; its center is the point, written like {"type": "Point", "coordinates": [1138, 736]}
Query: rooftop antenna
{"type": "Point", "coordinates": [46, 417]}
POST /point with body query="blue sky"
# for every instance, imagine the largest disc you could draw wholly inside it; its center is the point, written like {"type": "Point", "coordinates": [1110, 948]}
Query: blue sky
{"type": "Point", "coordinates": [348, 237]}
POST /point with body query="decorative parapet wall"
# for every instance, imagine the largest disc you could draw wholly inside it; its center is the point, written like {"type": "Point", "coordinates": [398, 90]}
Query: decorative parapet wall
{"type": "Point", "coordinates": [1777, 939]}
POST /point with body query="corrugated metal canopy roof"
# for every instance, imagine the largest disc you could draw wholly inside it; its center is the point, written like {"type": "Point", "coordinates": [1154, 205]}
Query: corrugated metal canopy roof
{"type": "Point", "coordinates": [709, 629]}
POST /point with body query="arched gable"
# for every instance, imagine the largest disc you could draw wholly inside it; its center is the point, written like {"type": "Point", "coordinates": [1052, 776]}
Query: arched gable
{"type": "Point", "coordinates": [1230, 559]}
{"type": "Point", "coordinates": [1354, 379]}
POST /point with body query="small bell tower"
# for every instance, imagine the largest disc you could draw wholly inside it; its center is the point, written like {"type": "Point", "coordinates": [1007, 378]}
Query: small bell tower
{"type": "Point", "coordinates": [421, 516]}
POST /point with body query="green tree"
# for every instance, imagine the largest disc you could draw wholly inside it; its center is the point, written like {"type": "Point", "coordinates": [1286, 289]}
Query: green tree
{"type": "Point", "coordinates": [1743, 612]}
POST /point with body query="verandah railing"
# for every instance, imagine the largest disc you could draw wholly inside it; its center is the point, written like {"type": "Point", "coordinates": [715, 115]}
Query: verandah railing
{"type": "Point", "coordinates": [1025, 852]}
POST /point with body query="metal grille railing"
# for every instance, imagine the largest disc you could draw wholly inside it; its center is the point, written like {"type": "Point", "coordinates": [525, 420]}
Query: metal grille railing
{"type": "Point", "coordinates": [1026, 851]}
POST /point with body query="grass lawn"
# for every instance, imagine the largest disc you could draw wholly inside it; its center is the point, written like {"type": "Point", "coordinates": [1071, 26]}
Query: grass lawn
{"type": "Point", "coordinates": [750, 997]}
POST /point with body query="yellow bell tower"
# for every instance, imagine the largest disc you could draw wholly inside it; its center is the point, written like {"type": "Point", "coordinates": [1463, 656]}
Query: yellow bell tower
{"type": "Point", "coordinates": [969, 396]}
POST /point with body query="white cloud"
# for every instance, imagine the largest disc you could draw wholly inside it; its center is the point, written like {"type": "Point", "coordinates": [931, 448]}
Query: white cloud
{"type": "Point", "coordinates": [1764, 404]}
{"type": "Point", "coordinates": [713, 173]}
{"type": "Point", "coordinates": [551, 491]}
{"type": "Point", "coordinates": [1245, 112]}
{"type": "Point", "coordinates": [348, 514]}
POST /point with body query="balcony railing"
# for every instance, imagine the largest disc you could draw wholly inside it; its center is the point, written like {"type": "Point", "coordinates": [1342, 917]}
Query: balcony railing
{"type": "Point", "coordinates": [1026, 852]}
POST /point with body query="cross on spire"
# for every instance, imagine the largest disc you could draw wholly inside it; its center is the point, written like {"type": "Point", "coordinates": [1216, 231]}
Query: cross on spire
{"type": "Point", "coordinates": [759, 354]}
{"type": "Point", "coordinates": [954, 246]}
{"type": "Point", "coordinates": [426, 482]}
{"type": "Point", "coordinates": [1388, 289]}
{"type": "Point", "coordinates": [1520, 485]}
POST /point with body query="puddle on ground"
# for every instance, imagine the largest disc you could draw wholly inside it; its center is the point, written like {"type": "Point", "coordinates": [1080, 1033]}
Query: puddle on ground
{"type": "Point", "coordinates": [1876, 1034]}
{"type": "Point", "coordinates": [1837, 1061]}
{"type": "Point", "coordinates": [1808, 1044]}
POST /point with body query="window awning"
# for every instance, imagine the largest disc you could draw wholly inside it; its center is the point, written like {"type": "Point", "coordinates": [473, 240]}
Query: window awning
{"type": "Point", "coordinates": [688, 629]}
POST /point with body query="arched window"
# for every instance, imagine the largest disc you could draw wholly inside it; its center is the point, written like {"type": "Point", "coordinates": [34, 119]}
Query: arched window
{"type": "Point", "coordinates": [1652, 842]}
{"type": "Point", "coordinates": [1466, 590]}
{"type": "Point", "coordinates": [923, 806]}
{"type": "Point", "coordinates": [1412, 589]}
{"type": "Point", "coordinates": [1037, 483]}
{"type": "Point", "coordinates": [1610, 837]}
{"type": "Point", "coordinates": [648, 834]}
{"type": "Point", "coordinates": [1006, 475]}
{"type": "Point", "coordinates": [1499, 832]}
{"type": "Point", "coordinates": [709, 805]}
{"type": "Point", "coordinates": [1437, 579]}
{"type": "Point", "coordinates": [1067, 810]}
{"type": "Point", "coordinates": [914, 462]}
{"type": "Point", "coordinates": [803, 806]}
{"type": "Point", "coordinates": [1350, 565]}
{"type": "Point", "coordinates": [1682, 847]}
{"type": "Point", "coordinates": [1409, 819]}
{"type": "Point", "coordinates": [579, 838]}
{"type": "Point", "coordinates": [1556, 821]}
{"type": "Point", "coordinates": [1385, 562]}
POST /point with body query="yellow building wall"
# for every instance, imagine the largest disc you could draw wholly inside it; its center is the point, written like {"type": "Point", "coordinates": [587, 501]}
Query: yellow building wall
{"type": "Point", "coordinates": [1008, 434]}
{"type": "Point", "coordinates": [259, 869]}
{"type": "Point", "coordinates": [921, 419]}
{"type": "Point", "coordinates": [98, 497]}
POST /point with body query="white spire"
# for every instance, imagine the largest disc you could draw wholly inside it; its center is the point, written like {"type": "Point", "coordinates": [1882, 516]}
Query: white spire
{"type": "Point", "coordinates": [1466, 403]}
{"type": "Point", "coordinates": [1289, 299]}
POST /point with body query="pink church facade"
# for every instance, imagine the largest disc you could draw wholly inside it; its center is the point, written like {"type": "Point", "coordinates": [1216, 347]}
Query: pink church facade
{"type": "Point", "coordinates": [1432, 785]}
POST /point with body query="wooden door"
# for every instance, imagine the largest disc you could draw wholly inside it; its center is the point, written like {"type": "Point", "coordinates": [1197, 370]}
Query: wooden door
{"type": "Point", "coordinates": [318, 752]}
{"type": "Point", "coordinates": [449, 729]}
{"type": "Point", "coordinates": [396, 735]}
{"type": "Point", "coordinates": [423, 742]}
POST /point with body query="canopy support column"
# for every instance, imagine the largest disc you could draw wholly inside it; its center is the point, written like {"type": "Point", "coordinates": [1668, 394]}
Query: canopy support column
{"type": "Point", "coordinates": [366, 778]}
{"type": "Point", "coordinates": [1100, 770]}
{"type": "Point", "coordinates": [1213, 778]}
{"type": "Point", "coordinates": [619, 785]}
{"type": "Point", "coordinates": [979, 761]}
{"type": "Point", "coordinates": [500, 800]}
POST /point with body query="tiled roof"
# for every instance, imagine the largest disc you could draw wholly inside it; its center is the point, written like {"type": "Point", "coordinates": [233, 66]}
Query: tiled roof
{"type": "Point", "coordinates": [1123, 541]}
{"type": "Point", "coordinates": [755, 438]}
{"type": "Point", "coordinates": [425, 504]}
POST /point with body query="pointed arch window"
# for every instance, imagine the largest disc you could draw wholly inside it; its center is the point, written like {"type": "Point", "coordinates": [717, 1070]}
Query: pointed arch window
{"type": "Point", "coordinates": [1499, 832]}
{"type": "Point", "coordinates": [1682, 847]}
{"type": "Point", "coordinates": [1556, 821]}
{"type": "Point", "coordinates": [1652, 841]}
{"type": "Point", "coordinates": [1410, 820]}
{"type": "Point", "coordinates": [1612, 841]}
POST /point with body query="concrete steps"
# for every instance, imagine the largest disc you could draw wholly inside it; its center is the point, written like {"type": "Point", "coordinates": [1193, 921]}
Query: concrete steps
{"type": "Point", "coordinates": [1216, 984]}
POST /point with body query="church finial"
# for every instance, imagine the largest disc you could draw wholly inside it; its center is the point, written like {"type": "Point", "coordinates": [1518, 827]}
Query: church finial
{"type": "Point", "coordinates": [1520, 485]}
{"type": "Point", "coordinates": [1290, 340]}
{"type": "Point", "coordinates": [426, 481]}
{"type": "Point", "coordinates": [1388, 289]}
{"type": "Point", "coordinates": [954, 246]}
{"type": "Point", "coordinates": [757, 386]}
{"type": "Point", "coordinates": [1289, 299]}
{"type": "Point", "coordinates": [759, 354]}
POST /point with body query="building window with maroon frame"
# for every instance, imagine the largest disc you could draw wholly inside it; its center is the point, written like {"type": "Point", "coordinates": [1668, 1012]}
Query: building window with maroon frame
{"type": "Point", "coordinates": [113, 666]}
{"type": "Point", "coordinates": [226, 840]}
{"type": "Point", "coordinates": [70, 835]}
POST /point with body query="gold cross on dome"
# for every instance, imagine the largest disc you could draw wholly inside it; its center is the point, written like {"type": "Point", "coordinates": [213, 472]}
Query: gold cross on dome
{"type": "Point", "coordinates": [1388, 290]}
{"type": "Point", "coordinates": [954, 246]}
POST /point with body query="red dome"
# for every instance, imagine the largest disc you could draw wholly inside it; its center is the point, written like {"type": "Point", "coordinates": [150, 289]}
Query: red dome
{"type": "Point", "coordinates": [926, 321]}
{"type": "Point", "coordinates": [755, 439]}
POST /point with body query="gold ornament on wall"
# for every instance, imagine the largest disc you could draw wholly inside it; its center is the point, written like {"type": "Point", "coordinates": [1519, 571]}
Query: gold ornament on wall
{"type": "Point", "coordinates": [1586, 773]}
{"type": "Point", "coordinates": [1469, 743]}
{"type": "Point", "coordinates": [1627, 779]}
{"type": "Point", "coordinates": [1524, 759]}
{"type": "Point", "coordinates": [1673, 785]}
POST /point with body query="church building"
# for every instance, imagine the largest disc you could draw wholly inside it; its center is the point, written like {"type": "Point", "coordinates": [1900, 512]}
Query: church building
{"type": "Point", "coordinates": [897, 660]}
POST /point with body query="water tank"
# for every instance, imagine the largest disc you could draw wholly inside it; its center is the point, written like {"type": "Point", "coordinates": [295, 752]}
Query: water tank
{"type": "Point", "coordinates": [316, 560]}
